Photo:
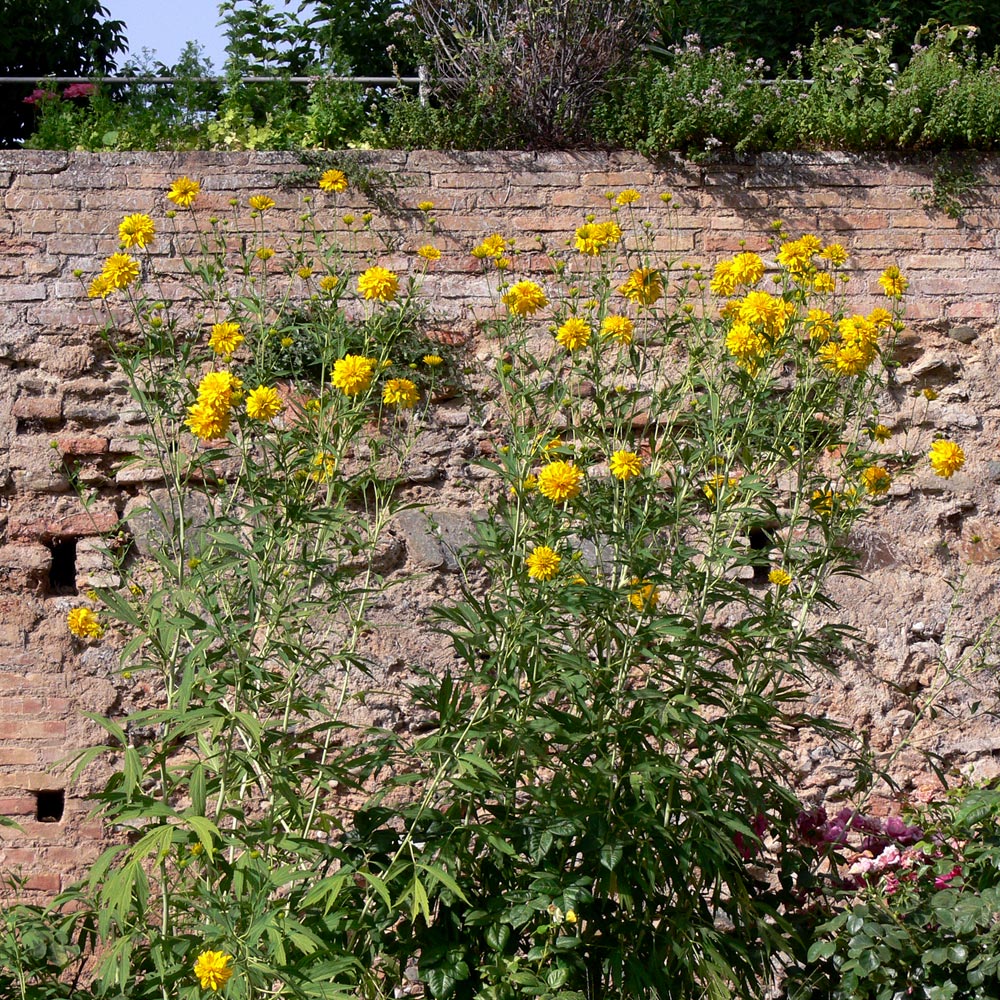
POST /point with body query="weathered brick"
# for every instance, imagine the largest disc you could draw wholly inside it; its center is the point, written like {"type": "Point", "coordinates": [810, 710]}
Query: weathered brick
{"type": "Point", "coordinates": [44, 408]}
{"type": "Point", "coordinates": [10, 292]}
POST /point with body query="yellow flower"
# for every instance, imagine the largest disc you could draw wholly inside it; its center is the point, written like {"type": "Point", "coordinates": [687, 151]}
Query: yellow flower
{"type": "Point", "coordinates": [287, 341]}
{"type": "Point", "coordinates": [264, 403]}
{"type": "Point", "coordinates": [206, 422]}
{"type": "Point", "coordinates": [571, 916]}
{"type": "Point", "coordinates": [328, 282]}
{"type": "Point", "coordinates": [779, 577]}
{"type": "Point", "coordinates": [588, 240]}
{"type": "Point", "coordinates": [628, 197]}
{"type": "Point", "coordinates": [379, 284]}
{"type": "Point", "coordinates": [212, 969]}
{"type": "Point", "coordinates": [822, 502]}
{"type": "Point", "coordinates": [225, 338]}
{"type": "Point", "coordinates": [429, 252]}
{"type": "Point", "coordinates": [765, 310]}
{"type": "Point", "coordinates": [208, 418]}
{"type": "Point", "coordinates": [860, 332]}
{"type": "Point", "coordinates": [432, 359]}
{"type": "Point", "coordinates": [574, 334]}
{"type": "Point", "coordinates": [120, 270]}
{"type": "Point", "coordinates": [425, 206]}
{"type": "Point", "coordinates": [724, 279]}
{"type": "Point", "coordinates": [400, 392]}
{"type": "Point", "coordinates": [305, 272]}
{"type": "Point", "coordinates": [592, 238]}
{"type": "Point", "coordinates": [136, 231]}
{"type": "Point", "coordinates": [876, 480]}
{"type": "Point", "coordinates": [559, 481]}
{"type": "Point", "coordinates": [797, 255]}
{"type": "Point", "coordinates": [929, 394]}
{"type": "Point", "coordinates": [527, 484]}
{"type": "Point", "coordinates": [643, 286]}
{"type": "Point", "coordinates": [183, 192]}
{"type": "Point", "coordinates": [493, 246]}
{"type": "Point", "coordinates": [625, 465]}
{"type": "Point", "coordinates": [881, 433]}
{"type": "Point", "coordinates": [99, 288]}
{"type": "Point", "coordinates": [264, 253]}
{"type": "Point", "coordinates": [217, 389]}
{"type": "Point", "coordinates": [84, 624]}
{"type": "Point", "coordinates": [644, 595]}
{"type": "Point", "coordinates": [618, 328]}
{"type": "Point", "coordinates": [844, 359]}
{"type": "Point", "coordinates": [324, 466]}
{"type": "Point", "coordinates": [716, 483]}
{"type": "Point", "coordinates": [334, 181]}
{"type": "Point", "coordinates": [348, 220]}
{"type": "Point", "coordinates": [524, 298]}
{"type": "Point", "coordinates": [352, 374]}
{"type": "Point", "coordinates": [946, 458]}
{"type": "Point", "coordinates": [747, 346]}
{"type": "Point", "coordinates": [261, 202]}
{"type": "Point", "coordinates": [880, 318]}
{"type": "Point", "coordinates": [747, 268]}
{"type": "Point", "coordinates": [543, 563]}
{"type": "Point", "coordinates": [819, 323]}
{"type": "Point", "coordinates": [835, 254]}
{"type": "Point", "coordinates": [893, 283]}
{"type": "Point", "coordinates": [824, 283]}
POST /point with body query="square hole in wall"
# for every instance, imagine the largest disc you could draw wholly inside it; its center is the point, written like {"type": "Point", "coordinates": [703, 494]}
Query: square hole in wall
{"type": "Point", "coordinates": [49, 805]}
{"type": "Point", "coordinates": [62, 575]}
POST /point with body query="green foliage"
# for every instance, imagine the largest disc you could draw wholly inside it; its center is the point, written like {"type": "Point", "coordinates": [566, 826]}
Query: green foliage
{"type": "Point", "coordinates": [140, 116]}
{"type": "Point", "coordinates": [773, 32]}
{"type": "Point", "coordinates": [366, 34]}
{"type": "Point", "coordinates": [845, 92]}
{"type": "Point", "coordinates": [700, 103]}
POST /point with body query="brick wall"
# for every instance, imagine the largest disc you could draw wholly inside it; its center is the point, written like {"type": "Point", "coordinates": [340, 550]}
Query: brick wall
{"type": "Point", "coordinates": [931, 557]}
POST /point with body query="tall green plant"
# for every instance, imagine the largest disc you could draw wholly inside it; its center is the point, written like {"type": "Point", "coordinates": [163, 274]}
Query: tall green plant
{"type": "Point", "coordinates": [604, 784]}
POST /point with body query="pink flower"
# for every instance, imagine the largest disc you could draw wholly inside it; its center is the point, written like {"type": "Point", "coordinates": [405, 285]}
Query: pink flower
{"type": "Point", "coordinates": [890, 885]}
{"type": "Point", "coordinates": [38, 95]}
{"type": "Point", "coordinates": [79, 90]}
{"type": "Point", "coordinates": [942, 880]}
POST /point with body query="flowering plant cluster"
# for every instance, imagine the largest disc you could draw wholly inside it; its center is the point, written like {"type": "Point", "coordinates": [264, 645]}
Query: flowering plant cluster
{"type": "Point", "coordinates": [916, 914]}
{"type": "Point", "coordinates": [674, 459]}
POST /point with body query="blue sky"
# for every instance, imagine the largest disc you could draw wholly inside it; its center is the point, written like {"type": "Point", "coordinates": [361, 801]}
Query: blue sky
{"type": "Point", "coordinates": [166, 26]}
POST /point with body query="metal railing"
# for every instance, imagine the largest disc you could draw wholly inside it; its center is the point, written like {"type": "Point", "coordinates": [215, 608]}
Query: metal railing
{"type": "Point", "coordinates": [371, 80]}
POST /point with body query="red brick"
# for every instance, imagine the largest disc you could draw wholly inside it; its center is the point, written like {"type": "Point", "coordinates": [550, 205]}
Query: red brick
{"type": "Point", "coordinates": [44, 883]}
{"type": "Point", "coordinates": [95, 522]}
{"type": "Point", "coordinates": [82, 444]}
{"type": "Point", "coordinates": [11, 756]}
{"type": "Point", "coordinates": [17, 805]}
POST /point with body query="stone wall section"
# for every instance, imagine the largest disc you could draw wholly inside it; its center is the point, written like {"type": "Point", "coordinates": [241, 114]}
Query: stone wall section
{"type": "Point", "coordinates": [930, 557]}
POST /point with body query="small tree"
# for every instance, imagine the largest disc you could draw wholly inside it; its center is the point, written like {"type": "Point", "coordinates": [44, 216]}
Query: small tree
{"type": "Point", "coordinates": [51, 37]}
{"type": "Point", "coordinates": [539, 64]}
